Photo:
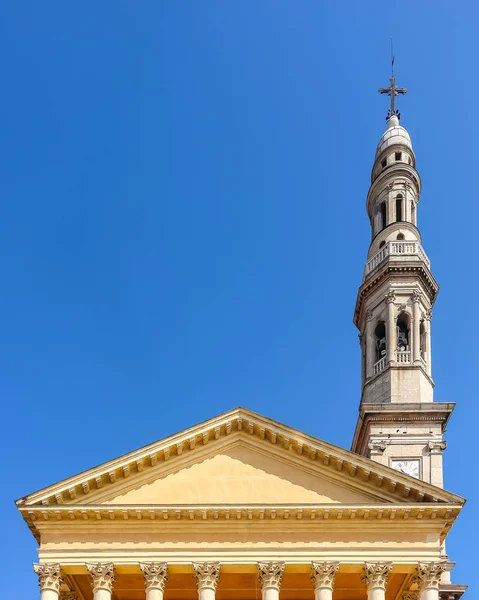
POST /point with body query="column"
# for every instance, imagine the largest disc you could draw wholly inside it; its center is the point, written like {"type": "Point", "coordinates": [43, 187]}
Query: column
{"type": "Point", "coordinates": [428, 578]}
{"type": "Point", "coordinates": [270, 577]}
{"type": "Point", "coordinates": [370, 346]}
{"type": "Point", "coordinates": [322, 576]}
{"type": "Point", "coordinates": [103, 577]}
{"type": "Point", "coordinates": [391, 327]}
{"type": "Point", "coordinates": [375, 576]}
{"type": "Point", "coordinates": [416, 322]}
{"type": "Point", "coordinates": [428, 341]}
{"type": "Point", "coordinates": [49, 579]}
{"type": "Point", "coordinates": [207, 577]}
{"type": "Point", "coordinates": [156, 577]}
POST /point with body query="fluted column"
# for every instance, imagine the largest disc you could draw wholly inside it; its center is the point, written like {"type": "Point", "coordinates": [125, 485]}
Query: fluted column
{"type": "Point", "coordinates": [156, 577]}
{"type": "Point", "coordinates": [49, 580]}
{"type": "Point", "coordinates": [270, 575]}
{"type": "Point", "coordinates": [391, 328]}
{"type": "Point", "coordinates": [103, 577]}
{"type": "Point", "coordinates": [207, 577]}
{"type": "Point", "coordinates": [322, 576]}
{"type": "Point", "coordinates": [375, 576]}
{"type": "Point", "coordinates": [428, 577]}
{"type": "Point", "coordinates": [416, 340]}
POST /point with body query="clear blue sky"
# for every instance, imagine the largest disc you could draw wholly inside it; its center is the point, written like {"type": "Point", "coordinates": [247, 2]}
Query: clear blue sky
{"type": "Point", "coordinates": [183, 225]}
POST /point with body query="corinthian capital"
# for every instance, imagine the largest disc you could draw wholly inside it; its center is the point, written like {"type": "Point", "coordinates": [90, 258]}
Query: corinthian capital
{"type": "Point", "coordinates": [410, 595]}
{"type": "Point", "coordinates": [428, 575]}
{"type": "Point", "coordinates": [207, 575]}
{"type": "Point", "coordinates": [49, 576]}
{"type": "Point", "coordinates": [391, 297]}
{"type": "Point", "coordinates": [323, 574]}
{"type": "Point", "coordinates": [156, 575]}
{"type": "Point", "coordinates": [416, 296]}
{"type": "Point", "coordinates": [103, 575]}
{"type": "Point", "coordinates": [69, 596]}
{"type": "Point", "coordinates": [270, 574]}
{"type": "Point", "coordinates": [375, 575]}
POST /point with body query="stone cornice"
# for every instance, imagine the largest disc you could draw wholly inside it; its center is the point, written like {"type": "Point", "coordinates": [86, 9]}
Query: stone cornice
{"type": "Point", "coordinates": [441, 516]}
{"type": "Point", "coordinates": [342, 466]}
{"type": "Point", "coordinates": [426, 412]}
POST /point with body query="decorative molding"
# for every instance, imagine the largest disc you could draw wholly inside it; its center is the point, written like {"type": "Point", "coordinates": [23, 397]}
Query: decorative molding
{"type": "Point", "coordinates": [49, 576]}
{"type": "Point", "coordinates": [375, 575]}
{"type": "Point", "coordinates": [270, 574]}
{"type": "Point", "coordinates": [377, 447]}
{"type": "Point", "coordinates": [437, 447]}
{"type": "Point", "coordinates": [103, 575]}
{"type": "Point", "coordinates": [207, 575]}
{"type": "Point", "coordinates": [156, 575]}
{"type": "Point", "coordinates": [428, 314]}
{"type": "Point", "coordinates": [391, 297]}
{"type": "Point", "coordinates": [369, 315]}
{"type": "Point", "coordinates": [411, 595]}
{"type": "Point", "coordinates": [428, 575]}
{"type": "Point", "coordinates": [416, 296]}
{"type": "Point", "coordinates": [323, 574]}
{"type": "Point", "coordinates": [69, 596]}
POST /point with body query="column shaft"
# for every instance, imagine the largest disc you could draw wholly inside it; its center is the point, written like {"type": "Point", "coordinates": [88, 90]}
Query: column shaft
{"type": "Point", "coordinates": [153, 594]}
{"type": "Point", "coordinates": [48, 595]}
{"type": "Point", "coordinates": [102, 595]}
{"type": "Point", "coordinates": [370, 347]}
{"type": "Point", "coordinates": [416, 340]}
{"type": "Point", "coordinates": [270, 593]}
{"type": "Point", "coordinates": [430, 594]}
{"type": "Point", "coordinates": [325, 593]}
{"type": "Point", "coordinates": [391, 329]}
{"type": "Point", "coordinates": [377, 594]}
{"type": "Point", "coordinates": [428, 348]}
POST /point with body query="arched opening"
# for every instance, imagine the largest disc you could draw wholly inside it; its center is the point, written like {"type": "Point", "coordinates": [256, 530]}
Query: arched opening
{"type": "Point", "coordinates": [402, 332]}
{"type": "Point", "coordinates": [399, 207]}
{"type": "Point", "coordinates": [422, 340]}
{"type": "Point", "coordinates": [400, 236]}
{"type": "Point", "coordinates": [380, 335]}
{"type": "Point", "coordinates": [382, 244]}
{"type": "Point", "coordinates": [382, 209]}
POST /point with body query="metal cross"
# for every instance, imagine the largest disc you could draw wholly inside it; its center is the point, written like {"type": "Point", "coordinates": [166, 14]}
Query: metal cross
{"type": "Point", "coordinates": [393, 91]}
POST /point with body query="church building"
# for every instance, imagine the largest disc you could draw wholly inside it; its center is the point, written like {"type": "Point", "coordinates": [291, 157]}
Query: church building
{"type": "Point", "coordinates": [242, 507]}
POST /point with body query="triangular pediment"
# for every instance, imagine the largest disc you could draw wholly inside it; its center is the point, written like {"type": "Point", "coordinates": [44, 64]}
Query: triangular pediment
{"type": "Point", "coordinates": [238, 458]}
{"type": "Point", "coordinates": [240, 474]}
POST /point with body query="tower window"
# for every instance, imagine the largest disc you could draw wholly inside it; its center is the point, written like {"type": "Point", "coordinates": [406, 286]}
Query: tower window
{"type": "Point", "coordinates": [380, 335]}
{"type": "Point", "coordinates": [382, 244]}
{"type": "Point", "coordinates": [400, 236]}
{"type": "Point", "coordinates": [382, 208]}
{"type": "Point", "coordinates": [384, 162]}
{"type": "Point", "coordinates": [399, 207]}
{"type": "Point", "coordinates": [402, 332]}
{"type": "Point", "coordinates": [397, 156]}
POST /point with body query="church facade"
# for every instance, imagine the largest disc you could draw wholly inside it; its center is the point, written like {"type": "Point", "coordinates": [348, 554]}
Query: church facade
{"type": "Point", "coordinates": [242, 507]}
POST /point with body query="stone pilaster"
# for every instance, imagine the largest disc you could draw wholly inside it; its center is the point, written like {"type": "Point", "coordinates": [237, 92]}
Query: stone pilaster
{"type": "Point", "coordinates": [207, 578]}
{"type": "Point", "coordinates": [103, 577]}
{"type": "Point", "coordinates": [270, 575]}
{"type": "Point", "coordinates": [156, 577]}
{"type": "Point", "coordinates": [428, 579]}
{"type": "Point", "coordinates": [322, 576]}
{"type": "Point", "coordinates": [375, 576]}
{"type": "Point", "coordinates": [416, 353]}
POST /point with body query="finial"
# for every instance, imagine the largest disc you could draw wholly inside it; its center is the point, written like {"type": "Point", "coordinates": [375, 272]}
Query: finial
{"type": "Point", "coordinates": [392, 91]}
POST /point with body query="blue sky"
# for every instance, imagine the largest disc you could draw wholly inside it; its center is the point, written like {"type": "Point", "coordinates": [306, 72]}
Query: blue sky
{"type": "Point", "coordinates": [183, 225]}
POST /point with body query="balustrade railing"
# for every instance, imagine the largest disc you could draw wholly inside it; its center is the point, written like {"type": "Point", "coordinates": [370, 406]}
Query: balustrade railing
{"type": "Point", "coordinates": [403, 356]}
{"type": "Point", "coordinates": [379, 366]}
{"type": "Point", "coordinates": [397, 248]}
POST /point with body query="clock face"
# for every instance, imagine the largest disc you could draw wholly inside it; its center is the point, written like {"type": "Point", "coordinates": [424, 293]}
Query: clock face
{"type": "Point", "coordinates": [407, 466]}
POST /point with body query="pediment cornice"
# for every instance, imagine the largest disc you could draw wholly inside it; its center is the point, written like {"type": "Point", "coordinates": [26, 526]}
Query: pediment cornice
{"type": "Point", "coordinates": [353, 470]}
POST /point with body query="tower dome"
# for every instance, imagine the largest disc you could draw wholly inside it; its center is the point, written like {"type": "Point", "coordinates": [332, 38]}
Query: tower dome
{"type": "Point", "coordinates": [394, 134]}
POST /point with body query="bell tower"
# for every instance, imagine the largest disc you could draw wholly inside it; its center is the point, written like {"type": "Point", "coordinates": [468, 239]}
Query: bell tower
{"type": "Point", "coordinates": [399, 425]}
